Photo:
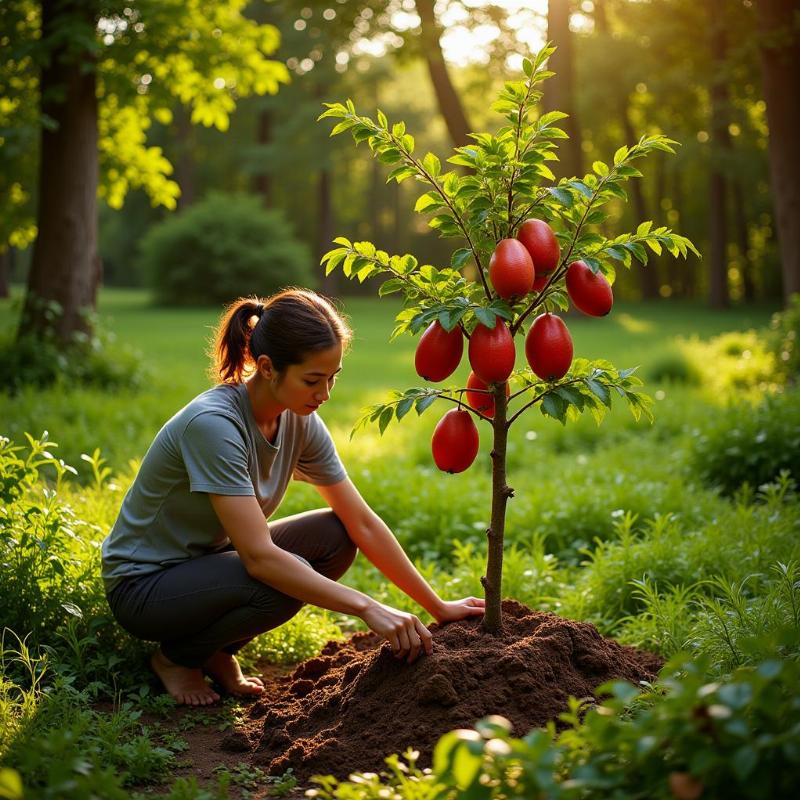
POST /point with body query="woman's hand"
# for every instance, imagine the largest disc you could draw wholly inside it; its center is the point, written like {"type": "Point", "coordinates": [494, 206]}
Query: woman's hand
{"type": "Point", "coordinates": [453, 610]}
{"type": "Point", "coordinates": [406, 634]}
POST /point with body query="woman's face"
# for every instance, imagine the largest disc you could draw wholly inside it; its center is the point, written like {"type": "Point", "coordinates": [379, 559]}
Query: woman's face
{"type": "Point", "coordinates": [303, 388]}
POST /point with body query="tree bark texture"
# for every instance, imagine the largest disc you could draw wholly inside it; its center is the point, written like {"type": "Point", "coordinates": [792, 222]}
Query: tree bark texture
{"type": "Point", "coordinates": [718, 184]}
{"type": "Point", "coordinates": [779, 27]}
{"type": "Point", "coordinates": [65, 268]}
{"type": "Point", "coordinates": [449, 102]}
{"type": "Point", "coordinates": [5, 271]}
{"type": "Point", "coordinates": [492, 581]}
{"type": "Point", "coordinates": [262, 182]}
{"type": "Point", "coordinates": [648, 275]}
{"type": "Point", "coordinates": [743, 241]}
{"type": "Point", "coordinates": [558, 91]}
{"type": "Point", "coordinates": [325, 230]}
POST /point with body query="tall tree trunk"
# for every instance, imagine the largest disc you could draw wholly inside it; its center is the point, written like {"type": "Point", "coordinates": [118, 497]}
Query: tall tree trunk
{"type": "Point", "coordinates": [325, 230]}
{"type": "Point", "coordinates": [742, 240]}
{"type": "Point", "coordinates": [449, 102]}
{"type": "Point", "coordinates": [689, 266]}
{"type": "Point", "coordinates": [780, 55]}
{"type": "Point", "coordinates": [721, 145]}
{"type": "Point", "coordinates": [65, 266]}
{"type": "Point", "coordinates": [648, 275]}
{"type": "Point", "coordinates": [559, 90]}
{"type": "Point", "coordinates": [262, 182]}
{"type": "Point", "coordinates": [5, 271]}
{"type": "Point", "coordinates": [185, 166]}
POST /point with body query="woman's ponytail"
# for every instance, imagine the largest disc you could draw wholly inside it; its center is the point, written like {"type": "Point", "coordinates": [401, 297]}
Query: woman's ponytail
{"type": "Point", "coordinates": [286, 327]}
{"type": "Point", "coordinates": [231, 359]}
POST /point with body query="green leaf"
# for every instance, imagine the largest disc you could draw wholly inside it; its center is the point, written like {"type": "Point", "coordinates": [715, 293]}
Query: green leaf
{"type": "Point", "coordinates": [424, 402]}
{"type": "Point", "coordinates": [554, 406]}
{"type": "Point", "coordinates": [385, 418]}
{"type": "Point", "coordinates": [486, 317]}
{"type": "Point", "coordinates": [527, 67]}
{"type": "Point", "coordinates": [620, 155]}
{"type": "Point", "coordinates": [404, 406]}
{"type": "Point", "coordinates": [400, 173]}
{"type": "Point", "coordinates": [644, 228]}
{"type": "Point", "coordinates": [428, 200]}
{"type": "Point", "coordinates": [600, 168]}
{"type": "Point", "coordinates": [460, 257]}
{"type": "Point", "coordinates": [563, 196]}
{"type": "Point", "coordinates": [600, 391]}
{"type": "Point", "coordinates": [432, 164]}
{"type": "Point", "coordinates": [390, 286]}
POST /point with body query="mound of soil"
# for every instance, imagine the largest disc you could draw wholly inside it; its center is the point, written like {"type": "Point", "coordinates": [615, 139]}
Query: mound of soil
{"type": "Point", "coordinates": [345, 710]}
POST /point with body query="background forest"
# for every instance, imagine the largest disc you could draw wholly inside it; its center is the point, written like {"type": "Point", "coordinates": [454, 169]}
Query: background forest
{"type": "Point", "coordinates": [696, 72]}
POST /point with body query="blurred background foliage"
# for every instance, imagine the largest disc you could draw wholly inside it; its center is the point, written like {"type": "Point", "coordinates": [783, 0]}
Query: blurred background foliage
{"type": "Point", "coordinates": [624, 68]}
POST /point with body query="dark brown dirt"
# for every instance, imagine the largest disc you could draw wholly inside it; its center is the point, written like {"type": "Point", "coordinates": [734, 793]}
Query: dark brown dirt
{"type": "Point", "coordinates": [345, 710]}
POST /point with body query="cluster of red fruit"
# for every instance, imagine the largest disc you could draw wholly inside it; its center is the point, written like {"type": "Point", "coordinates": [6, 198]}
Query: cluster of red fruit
{"type": "Point", "coordinates": [517, 268]}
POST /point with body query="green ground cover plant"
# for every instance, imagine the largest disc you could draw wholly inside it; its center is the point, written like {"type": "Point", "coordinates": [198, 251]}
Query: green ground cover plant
{"type": "Point", "coordinates": [620, 529]}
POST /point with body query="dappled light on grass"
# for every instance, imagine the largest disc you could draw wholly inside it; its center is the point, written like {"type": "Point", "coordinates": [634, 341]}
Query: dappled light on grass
{"type": "Point", "coordinates": [633, 325]}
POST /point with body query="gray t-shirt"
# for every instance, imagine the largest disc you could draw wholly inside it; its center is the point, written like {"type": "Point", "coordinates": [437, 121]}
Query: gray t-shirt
{"type": "Point", "coordinates": [212, 445]}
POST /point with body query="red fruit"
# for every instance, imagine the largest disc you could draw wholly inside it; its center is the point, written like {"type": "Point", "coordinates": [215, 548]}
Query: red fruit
{"type": "Point", "coordinates": [548, 347]}
{"type": "Point", "coordinates": [511, 269]}
{"type": "Point", "coordinates": [589, 291]}
{"type": "Point", "coordinates": [438, 352]}
{"type": "Point", "coordinates": [491, 352]}
{"type": "Point", "coordinates": [455, 441]}
{"type": "Point", "coordinates": [540, 281]}
{"type": "Point", "coordinates": [541, 243]}
{"type": "Point", "coordinates": [481, 401]}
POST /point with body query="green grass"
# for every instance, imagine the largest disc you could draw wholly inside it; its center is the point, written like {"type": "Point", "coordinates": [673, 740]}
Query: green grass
{"type": "Point", "coordinates": [173, 343]}
{"type": "Point", "coordinates": [613, 523]}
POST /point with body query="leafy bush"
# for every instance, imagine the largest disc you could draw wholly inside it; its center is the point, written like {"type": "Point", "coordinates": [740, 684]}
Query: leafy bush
{"type": "Point", "coordinates": [732, 623]}
{"type": "Point", "coordinates": [731, 366]}
{"type": "Point", "coordinates": [750, 445]}
{"type": "Point", "coordinates": [221, 248]}
{"type": "Point", "coordinates": [674, 367]}
{"type": "Point", "coordinates": [87, 360]}
{"type": "Point", "coordinates": [783, 339]}
{"type": "Point", "coordinates": [738, 541]}
{"type": "Point", "coordinates": [724, 739]}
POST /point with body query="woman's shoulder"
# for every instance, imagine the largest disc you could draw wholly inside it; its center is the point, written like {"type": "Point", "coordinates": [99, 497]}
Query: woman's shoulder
{"type": "Point", "coordinates": [218, 401]}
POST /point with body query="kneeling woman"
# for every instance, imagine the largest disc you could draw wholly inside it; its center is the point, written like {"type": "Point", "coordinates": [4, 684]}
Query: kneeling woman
{"type": "Point", "coordinates": [192, 563]}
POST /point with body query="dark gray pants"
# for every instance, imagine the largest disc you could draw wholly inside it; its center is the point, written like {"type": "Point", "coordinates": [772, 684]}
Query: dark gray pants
{"type": "Point", "coordinates": [210, 603]}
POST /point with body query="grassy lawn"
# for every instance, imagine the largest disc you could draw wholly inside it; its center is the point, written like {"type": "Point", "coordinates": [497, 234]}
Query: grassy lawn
{"type": "Point", "coordinates": [174, 343]}
{"type": "Point", "coordinates": [611, 524]}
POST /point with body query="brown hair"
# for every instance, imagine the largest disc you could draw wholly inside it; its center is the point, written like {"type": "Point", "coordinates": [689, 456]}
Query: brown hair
{"type": "Point", "coordinates": [286, 327]}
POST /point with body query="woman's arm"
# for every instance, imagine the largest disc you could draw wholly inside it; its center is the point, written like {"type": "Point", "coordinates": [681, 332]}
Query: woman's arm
{"type": "Point", "coordinates": [373, 537]}
{"type": "Point", "coordinates": [244, 522]}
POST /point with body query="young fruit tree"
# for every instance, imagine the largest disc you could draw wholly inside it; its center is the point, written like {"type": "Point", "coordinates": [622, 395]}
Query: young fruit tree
{"type": "Point", "coordinates": [530, 245]}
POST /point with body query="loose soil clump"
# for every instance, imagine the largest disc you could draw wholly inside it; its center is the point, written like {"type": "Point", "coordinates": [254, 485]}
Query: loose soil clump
{"type": "Point", "coordinates": [354, 704]}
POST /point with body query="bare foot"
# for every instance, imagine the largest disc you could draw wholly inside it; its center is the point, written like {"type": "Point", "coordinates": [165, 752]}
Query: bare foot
{"type": "Point", "coordinates": [225, 670]}
{"type": "Point", "coordinates": [188, 686]}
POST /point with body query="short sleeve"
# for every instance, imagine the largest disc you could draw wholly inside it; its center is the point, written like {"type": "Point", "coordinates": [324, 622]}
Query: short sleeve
{"type": "Point", "coordinates": [319, 463]}
{"type": "Point", "coordinates": [214, 452]}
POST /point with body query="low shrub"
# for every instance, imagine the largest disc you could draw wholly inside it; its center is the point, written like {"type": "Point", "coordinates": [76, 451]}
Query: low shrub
{"type": "Point", "coordinates": [89, 359]}
{"type": "Point", "coordinates": [732, 738]}
{"type": "Point", "coordinates": [752, 445]}
{"type": "Point", "coordinates": [739, 540]}
{"type": "Point", "coordinates": [783, 339]}
{"type": "Point", "coordinates": [672, 367]}
{"type": "Point", "coordinates": [223, 247]}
